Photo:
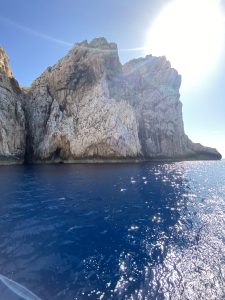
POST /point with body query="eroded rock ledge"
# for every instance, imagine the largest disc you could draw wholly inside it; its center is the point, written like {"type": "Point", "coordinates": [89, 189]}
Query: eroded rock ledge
{"type": "Point", "coordinates": [88, 106]}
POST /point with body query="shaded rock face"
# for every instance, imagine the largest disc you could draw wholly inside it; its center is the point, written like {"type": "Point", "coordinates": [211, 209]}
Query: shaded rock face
{"type": "Point", "coordinates": [12, 120]}
{"type": "Point", "coordinates": [90, 106]}
{"type": "Point", "coordinates": [151, 86]}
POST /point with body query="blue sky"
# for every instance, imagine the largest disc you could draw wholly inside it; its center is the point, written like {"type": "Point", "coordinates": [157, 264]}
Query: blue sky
{"type": "Point", "coordinates": [37, 33]}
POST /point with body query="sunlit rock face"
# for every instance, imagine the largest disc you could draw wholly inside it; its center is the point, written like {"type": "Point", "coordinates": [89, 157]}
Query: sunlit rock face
{"type": "Point", "coordinates": [89, 106]}
{"type": "Point", "coordinates": [4, 63]}
{"type": "Point", "coordinates": [12, 120]}
{"type": "Point", "coordinates": [71, 113]}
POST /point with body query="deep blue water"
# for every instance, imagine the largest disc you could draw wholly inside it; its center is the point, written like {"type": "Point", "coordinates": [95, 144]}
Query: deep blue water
{"type": "Point", "coordinates": [114, 231]}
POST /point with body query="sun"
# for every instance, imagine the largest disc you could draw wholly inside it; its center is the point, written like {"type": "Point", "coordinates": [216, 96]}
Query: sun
{"type": "Point", "coordinates": [190, 33]}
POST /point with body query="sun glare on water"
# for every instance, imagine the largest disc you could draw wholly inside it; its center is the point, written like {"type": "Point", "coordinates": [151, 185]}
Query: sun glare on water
{"type": "Point", "coordinates": [190, 33]}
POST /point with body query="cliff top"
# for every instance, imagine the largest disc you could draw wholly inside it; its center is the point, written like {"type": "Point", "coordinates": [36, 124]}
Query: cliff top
{"type": "Point", "coordinates": [100, 43]}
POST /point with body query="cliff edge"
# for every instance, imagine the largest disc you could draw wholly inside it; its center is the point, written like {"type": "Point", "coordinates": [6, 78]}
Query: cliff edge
{"type": "Point", "coordinates": [89, 106]}
{"type": "Point", "coordinates": [12, 119]}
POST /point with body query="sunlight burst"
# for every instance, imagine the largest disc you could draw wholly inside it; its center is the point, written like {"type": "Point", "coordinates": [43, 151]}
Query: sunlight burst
{"type": "Point", "coordinates": [190, 33]}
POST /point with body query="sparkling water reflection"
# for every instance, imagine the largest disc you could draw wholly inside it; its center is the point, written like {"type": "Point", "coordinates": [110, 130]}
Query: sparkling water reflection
{"type": "Point", "coordinates": [132, 231]}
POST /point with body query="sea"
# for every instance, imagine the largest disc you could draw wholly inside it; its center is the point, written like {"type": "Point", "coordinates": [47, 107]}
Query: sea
{"type": "Point", "coordinates": [113, 231]}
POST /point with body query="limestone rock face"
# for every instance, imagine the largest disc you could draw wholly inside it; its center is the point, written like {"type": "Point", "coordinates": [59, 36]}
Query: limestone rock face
{"type": "Point", "coordinates": [89, 106]}
{"type": "Point", "coordinates": [4, 63]}
{"type": "Point", "coordinates": [71, 114]}
{"type": "Point", "coordinates": [151, 86]}
{"type": "Point", "coordinates": [12, 120]}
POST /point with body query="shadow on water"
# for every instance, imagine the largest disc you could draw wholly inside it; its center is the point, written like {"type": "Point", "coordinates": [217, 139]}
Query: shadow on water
{"type": "Point", "coordinates": [112, 231]}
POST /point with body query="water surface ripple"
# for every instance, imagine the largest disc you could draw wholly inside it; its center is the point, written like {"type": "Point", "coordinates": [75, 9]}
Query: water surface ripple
{"type": "Point", "coordinates": [114, 231]}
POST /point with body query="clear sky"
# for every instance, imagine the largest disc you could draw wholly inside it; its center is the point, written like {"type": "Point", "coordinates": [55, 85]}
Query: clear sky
{"type": "Point", "coordinates": [37, 33]}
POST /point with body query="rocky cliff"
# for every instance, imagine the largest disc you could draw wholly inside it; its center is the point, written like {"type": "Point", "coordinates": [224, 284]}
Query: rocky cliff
{"type": "Point", "coordinates": [12, 120]}
{"type": "Point", "coordinates": [89, 106]}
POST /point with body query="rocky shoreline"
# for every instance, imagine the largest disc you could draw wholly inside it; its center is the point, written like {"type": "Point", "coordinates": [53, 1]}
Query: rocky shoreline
{"type": "Point", "coordinates": [90, 108]}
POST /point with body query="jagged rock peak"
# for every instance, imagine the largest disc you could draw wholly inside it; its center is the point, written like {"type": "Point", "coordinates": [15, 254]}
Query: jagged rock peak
{"type": "Point", "coordinates": [84, 65]}
{"type": "Point", "coordinates": [152, 66]}
{"type": "Point", "coordinates": [4, 63]}
{"type": "Point", "coordinates": [100, 43]}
